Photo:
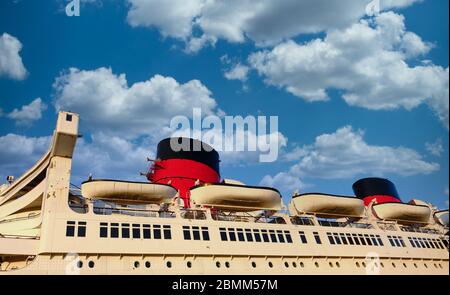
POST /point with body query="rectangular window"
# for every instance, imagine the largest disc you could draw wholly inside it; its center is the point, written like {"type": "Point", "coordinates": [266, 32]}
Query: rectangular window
{"type": "Point", "coordinates": [240, 234]}
{"type": "Point", "coordinates": [265, 236]}
{"type": "Point", "coordinates": [362, 240]}
{"type": "Point", "coordinates": [380, 241]}
{"type": "Point", "coordinates": [413, 244]}
{"type": "Point", "coordinates": [280, 236]}
{"type": "Point", "coordinates": [205, 234]}
{"type": "Point", "coordinates": [125, 230]}
{"type": "Point", "coordinates": [396, 241]}
{"type": "Point", "coordinates": [317, 237]}
{"type": "Point", "coordinates": [273, 237]}
{"type": "Point", "coordinates": [248, 235]}
{"type": "Point", "coordinates": [303, 237]}
{"type": "Point", "coordinates": [157, 232]}
{"type": "Point", "coordinates": [337, 239]}
{"type": "Point", "coordinates": [114, 230]}
{"type": "Point", "coordinates": [374, 240]}
{"type": "Point", "coordinates": [288, 236]}
{"type": "Point", "coordinates": [391, 241]}
{"type": "Point", "coordinates": [81, 229]}
{"type": "Point", "coordinates": [103, 230]}
{"type": "Point", "coordinates": [70, 229]}
{"type": "Point", "coordinates": [350, 239]}
{"type": "Point", "coordinates": [257, 235]}
{"type": "Point", "coordinates": [343, 239]}
{"type": "Point", "coordinates": [186, 233]}
{"type": "Point", "coordinates": [232, 234]}
{"type": "Point", "coordinates": [167, 232]}
{"type": "Point", "coordinates": [196, 233]}
{"type": "Point", "coordinates": [331, 239]}
{"type": "Point", "coordinates": [426, 243]}
{"type": "Point", "coordinates": [356, 239]}
{"type": "Point", "coordinates": [136, 231]}
{"type": "Point", "coordinates": [223, 234]}
{"type": "Point", "coordinates": [368, 240]}
{"type": "Point", "coordinates": [146, 231]}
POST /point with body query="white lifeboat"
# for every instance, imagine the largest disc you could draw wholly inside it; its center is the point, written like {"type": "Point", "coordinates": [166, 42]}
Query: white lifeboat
{"type": "Point", "coordinates": [441, 217]}
{"type": "Point", "coordinates": [402, 213]}
{"type": "Point", "coordinates": [324, 205]}
{"type": "Point", "coordinates": [235, 197]}
{"type": "Point", "coordinates": [124, 192]}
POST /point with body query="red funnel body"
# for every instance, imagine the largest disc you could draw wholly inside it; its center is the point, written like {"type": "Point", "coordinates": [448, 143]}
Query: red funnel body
{"type": "Point", "coordinates": [382, 190]}
{"type": "Point", "coordinates": [185, 169]}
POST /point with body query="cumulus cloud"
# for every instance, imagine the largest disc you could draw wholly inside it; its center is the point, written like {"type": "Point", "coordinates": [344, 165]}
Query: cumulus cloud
{"type": "Point", "coordinates": [435, 148]}
{"type": "Point", "coordinates": [345, 154]}
{"type": "Point", "coordinates": [28, 114]}
{"type": "Point", "coordinates": [265, 22]}
{"type": "Point", "coordinates": [367, 60]}
{"type": "Point", "coordinates": [107, 103]}
{"type": "Point", "coordinates": [11, 65]}
{"type": "Point", "coordinates": [237, 72]}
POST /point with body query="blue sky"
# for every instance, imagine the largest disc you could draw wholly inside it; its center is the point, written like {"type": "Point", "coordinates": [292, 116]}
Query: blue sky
{"type": "Point", "coordinates": [383, 110]}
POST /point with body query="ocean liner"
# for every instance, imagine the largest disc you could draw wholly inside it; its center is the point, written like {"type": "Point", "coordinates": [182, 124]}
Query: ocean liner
{"type": "Point", "coordinates": [187, 219]}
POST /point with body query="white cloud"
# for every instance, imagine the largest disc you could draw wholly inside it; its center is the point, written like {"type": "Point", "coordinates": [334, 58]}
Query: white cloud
{"type": "Point", "coordinates": [28, 113]}
{"type": "Point", "coordinates": [436, 148]}
{"type": "Point", "coordinates": [107, 104]}
{"type": "Point", "coordinates": [237, 72]}
{"type": "Point", "coordinates": [265, 22]}
{"type": "Point", "coordinates": [11, 65]}
{"type": "Point", "coordinates": [18, 153]}
{"type": "Point", "coordinates": [367, 60]}
{"type": "Point", "coordinates": [345, 154]}
{"type": "Point", "coordinates": [284, 182]}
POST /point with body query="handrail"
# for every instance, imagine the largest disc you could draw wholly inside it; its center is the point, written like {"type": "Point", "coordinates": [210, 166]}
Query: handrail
{"type": "Point", "coordinates": [30, 216]}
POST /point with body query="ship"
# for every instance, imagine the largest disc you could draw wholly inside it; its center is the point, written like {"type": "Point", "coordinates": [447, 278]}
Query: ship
{"type": "Point", "coordinates": [185, 219]}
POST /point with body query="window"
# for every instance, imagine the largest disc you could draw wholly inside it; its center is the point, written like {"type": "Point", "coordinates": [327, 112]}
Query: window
{"type": "Point", "coordinates": [331, 239]}
{"type": "Point", "coordinates": [114, 230]}
{"type": "Point", "coordinates": [368, 240]}
{"type": "Point", "coordinates": [362, 240]}
{"type": "Point", "coordinates": [196, 233]}
{"type": "Point", "coordinates": [70, 229]}
{"type": "Point", "coordinates": [125, 230]}
{"type": "Point", "coordinates": [337, 239]}
{"type": "Point", "coordinates": [273, 237]}
{"type": "Point", "coordinates": [302, 237]}
{"type": "Point", "coordinates": [232, 234]}
{"type": "Point", "coordinates": [186, 233]}
{"type": "Point", "coordinates": [136, 231]}
{"type": "Point", "coordinates": [240, 234]}
{"type": "Point", "coordinates": [223, 234]}
{"type": "Point", "coordinates": [288, 236]}
{"type": "Point", "coordinates": [317, 237]}
{"type": "Point", "coordinates": [167, 232]}
{"type": "Point", "coordinates": [248, 235]}
{"type": "Point", "coordinates": [257, 235]}
{"type": "Point", "coordinates": [146, 231]}
{"type": "Point", "coordinates": [380, 241]}
{"type": "Point", "coordinates": [374, 240]}
{"type": "Point", "coordinates": [205, 233]}
{"type": "Point", "coordinates": [343, 239]}
{"type": "Point", "coordinates": [350, 239]}
{"type": "Point", "coordinates": [355, 237]}
{"type": "Point", "coordinates": [265, 235]}
{"type": "Point", "coordinates": [157, 231]}
{"type": "Point", "coordinates": [302, 221]}
{"type": "Point", "coordinates": [81, 228]}
{"type": "Point", "coordinates": [280, 236]}
{"type": "Point", "coordinates": [103, 230]}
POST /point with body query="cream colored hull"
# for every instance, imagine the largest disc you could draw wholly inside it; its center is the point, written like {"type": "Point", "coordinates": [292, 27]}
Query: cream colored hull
{"type": "Point", "coordinates": [402, 213]}
{"type": "Point", "coordinates": [237, 197]}
{"type": "Point", "coordinates": [328, 205]}
{"type": "Point", "coordinates": [128, 192]}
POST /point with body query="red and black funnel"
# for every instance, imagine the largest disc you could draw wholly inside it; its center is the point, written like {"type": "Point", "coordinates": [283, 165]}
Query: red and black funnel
{"type": "Point", "coordinates": [185, 163]}
{"type": "Point", "coordinates": [381, 189]}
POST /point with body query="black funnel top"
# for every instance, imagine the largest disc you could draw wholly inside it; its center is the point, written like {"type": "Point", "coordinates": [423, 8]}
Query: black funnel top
{"type": "Point", "coordinates": [374, 186]}
{"type": "Point", "coordinates": [188, 149]}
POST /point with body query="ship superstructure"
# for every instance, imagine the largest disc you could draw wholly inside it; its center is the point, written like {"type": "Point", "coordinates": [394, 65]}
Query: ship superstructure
{"type": "Point", "coordinates": [187, 220]}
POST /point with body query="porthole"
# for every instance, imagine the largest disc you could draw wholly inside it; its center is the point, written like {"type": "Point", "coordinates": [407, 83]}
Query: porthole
{"type": "Point", "coordinates": [137, 264]}
{"type": "Point", "coordinates": [91, 264]}
{"type": "Point", "coordinates": [227, 264]}
{"type": "Point", "coordinates": [218, 264]}
{"type": "Point", "coordinates": [148, 264]}
{"type": "Point", "coordinates": [393, 265]}
{"type": "Point", "coordinates": [364, 264]}
{"type": "Point", "coordinates": [253, 264]}
{"type": "Point", "coordinates": [302, 264]}
{"type": "Point", "coordinates": [189, 264]}
{"type": "Point", "coordinates": [382, 264]}
{"type": "Point", "coordinates": [286, 264]}
{"type": "Point", "coordinates": [338, 264]}
{"type": "Point", "coordinates": [440, 265]}
{"type": "Point", "coordinates": [415, 265]}
{"type": "Point", "coordinates": [435, 265]}
{"type": "Point", "coordinates": [426, 266]}
{"type": "Point", "coordinates": [169, 264]}
{"type": "Point", "coordinates": [331, 264]}
{"type": "Point", "coordinates": [357, 264]}
{"type": "Point", "coordinates": [294, 264]}
{"type": "Point", "coordinates": [316, 264]}
{"type": "Point", "coordinates": [404, 265]}
{"type": "Point", "coordinates": [270, 264]}
{"type": "Point", "coordinates": [79, 264]}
